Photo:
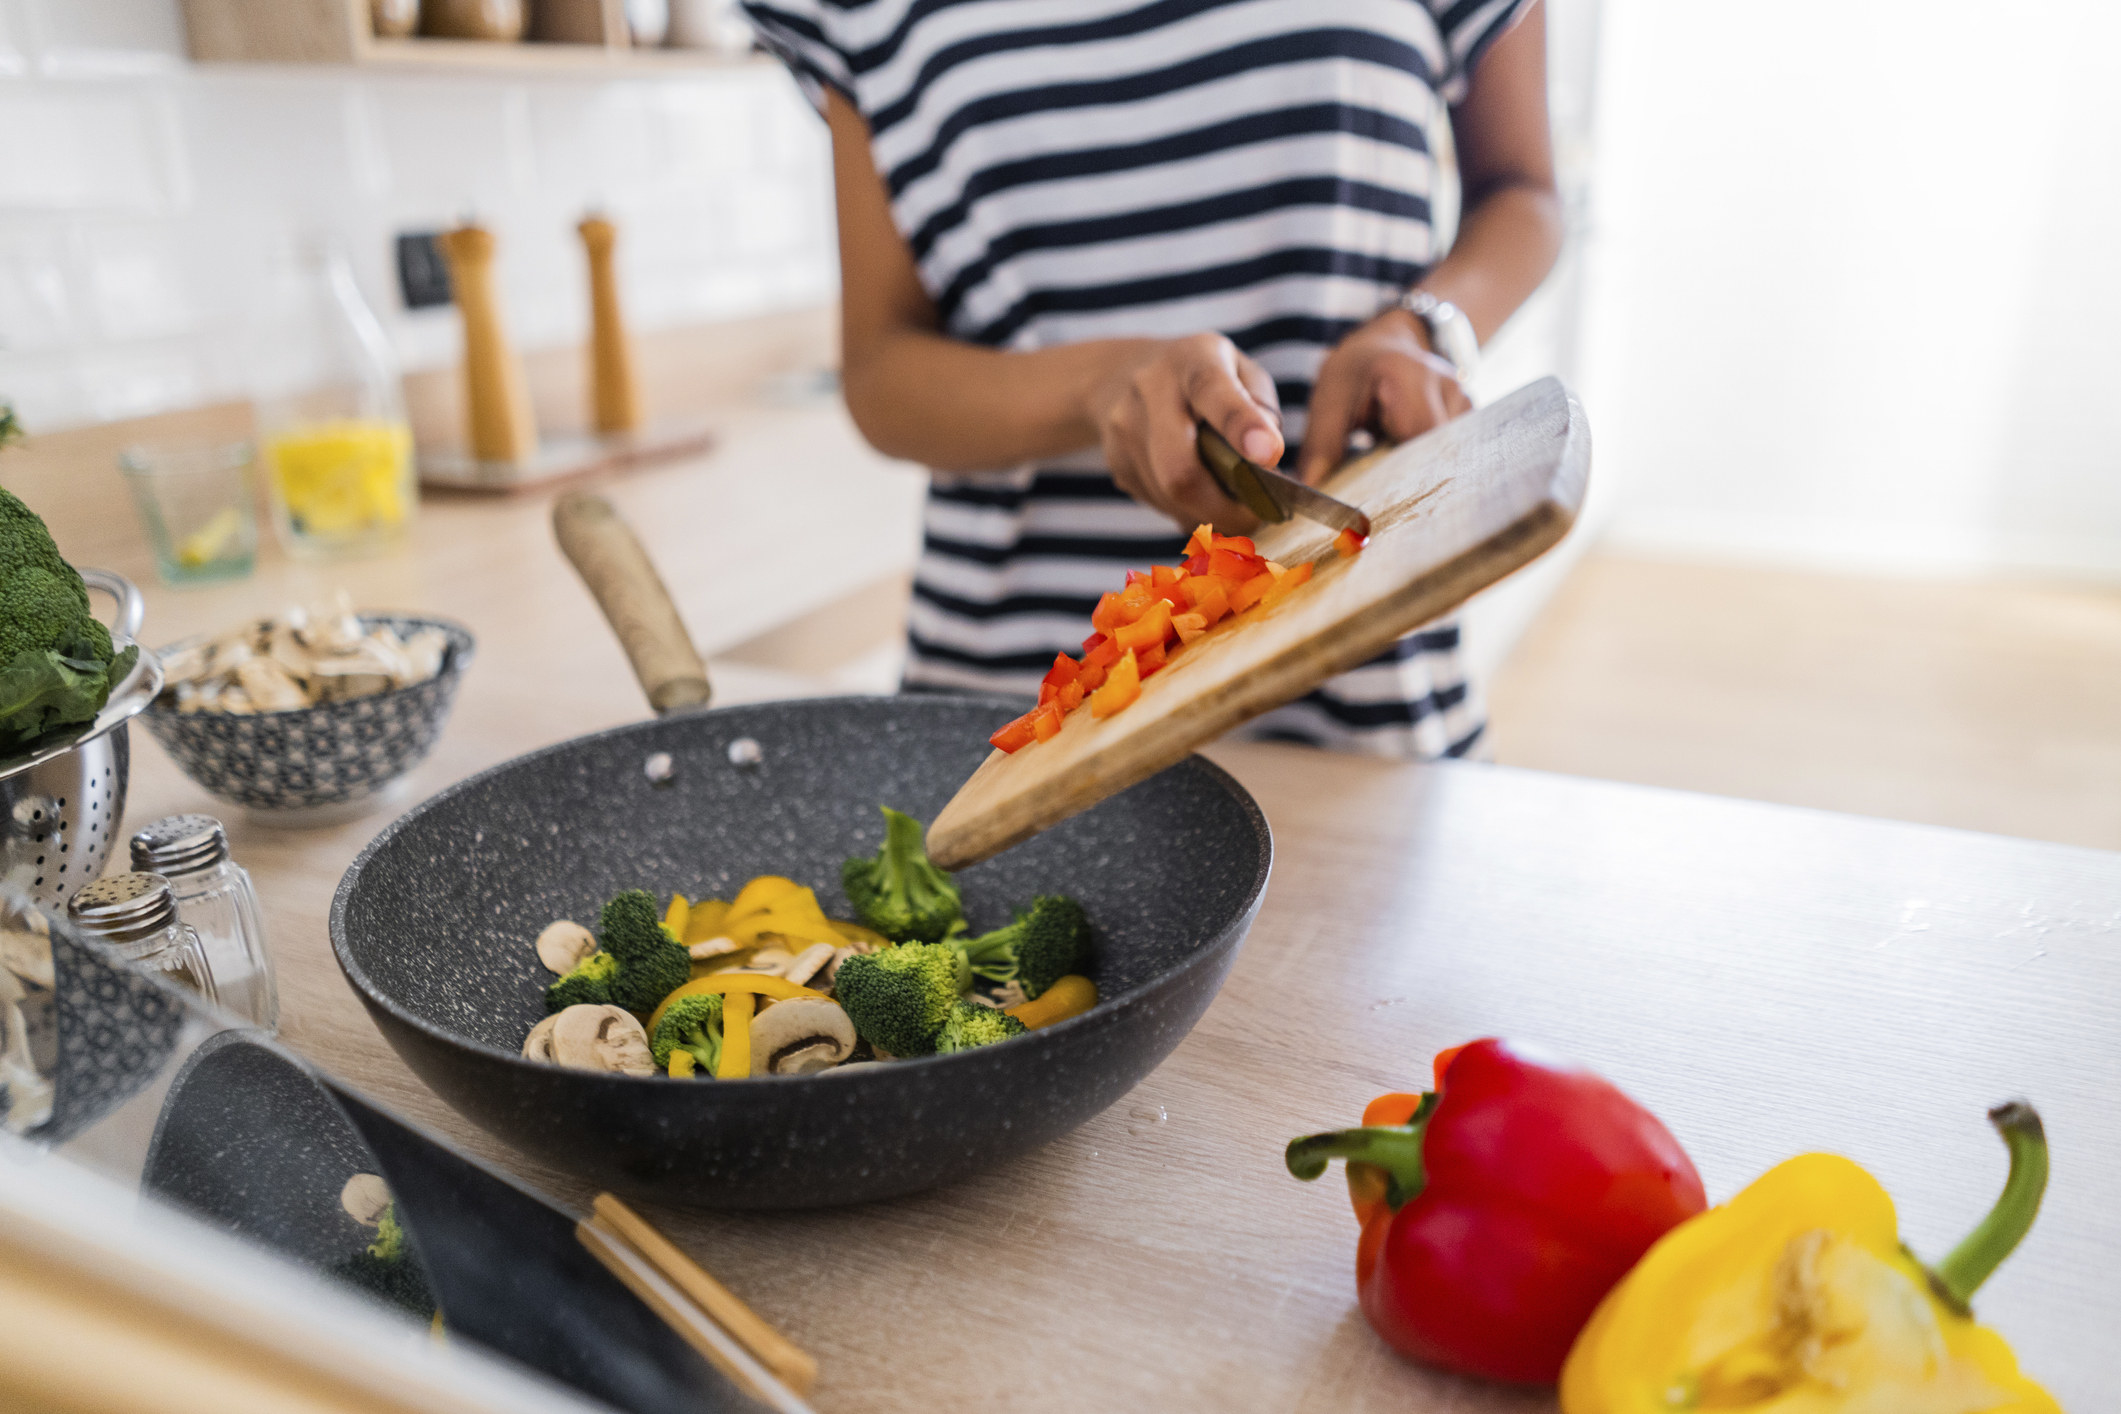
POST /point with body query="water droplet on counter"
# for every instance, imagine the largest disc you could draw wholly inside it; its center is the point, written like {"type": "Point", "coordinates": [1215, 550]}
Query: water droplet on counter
{"type": "Point", "coordinates": [1388, 1001]}
{"type": "Point", "coordinates": [1143, 1119]}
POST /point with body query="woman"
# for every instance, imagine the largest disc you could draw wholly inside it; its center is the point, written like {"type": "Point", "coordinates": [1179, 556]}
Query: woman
{"type": "Point", "coordinates": [1070, 228]}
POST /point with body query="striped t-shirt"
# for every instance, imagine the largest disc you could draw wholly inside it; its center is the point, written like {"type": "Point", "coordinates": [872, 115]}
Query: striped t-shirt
{"type": "Point", "coordinates": [1082, 169]}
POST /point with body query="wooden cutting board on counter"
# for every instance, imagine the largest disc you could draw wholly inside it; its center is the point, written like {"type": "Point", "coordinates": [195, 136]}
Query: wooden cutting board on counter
{"type": "Point", "coordinates": [1451, 513]}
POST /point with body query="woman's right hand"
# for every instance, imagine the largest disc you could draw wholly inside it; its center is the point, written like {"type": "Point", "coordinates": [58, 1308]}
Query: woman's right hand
{"type": "Point", "coordinates": [1145, 410]}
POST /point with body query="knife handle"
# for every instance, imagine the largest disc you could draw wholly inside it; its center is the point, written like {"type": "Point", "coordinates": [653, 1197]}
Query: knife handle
{"type": "Point", "coordinates": [1234, 474]}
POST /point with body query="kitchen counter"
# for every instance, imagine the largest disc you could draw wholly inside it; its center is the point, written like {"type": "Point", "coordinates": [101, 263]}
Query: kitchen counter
{"type": "Point", "coordinates": [1769, 980]}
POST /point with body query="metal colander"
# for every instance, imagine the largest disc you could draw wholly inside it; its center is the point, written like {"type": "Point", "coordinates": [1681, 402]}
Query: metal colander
{"type": "Point", "coordinates": [60, 807]}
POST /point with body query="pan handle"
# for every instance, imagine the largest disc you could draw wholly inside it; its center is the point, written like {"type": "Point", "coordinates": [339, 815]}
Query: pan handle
{"type": "Point", "coordinates": [608, 556]}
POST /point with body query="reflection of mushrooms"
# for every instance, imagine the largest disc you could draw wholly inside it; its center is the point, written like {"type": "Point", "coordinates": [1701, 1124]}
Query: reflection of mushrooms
{"type": "Point", "coordinates": [800, 1036]}
{"type": "Point", "coordinates": [364, 1198]}
{"type": "Point", "coordinates": [563, 945]}
{"type": "Point", "coordinates": [601, 1038]}
{"type": "Point", "coordinates": [807, 962]}
{"type": "Point", "coordinates": [538, 1044]}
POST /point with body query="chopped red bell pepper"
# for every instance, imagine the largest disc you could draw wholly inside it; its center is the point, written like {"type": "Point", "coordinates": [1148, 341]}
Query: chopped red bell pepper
{"type": "Point", "coordinates": [1349, 544]}
{"type": "Point", "coordinates": [1090, 643]}
{"type": "Point", "coordinates": [1103, 656]}
{"type": "Point", "coordinates": [1197, 564]}
{"type": "Point", "coordinates": [1015, 736]}
{"type": "Point", "coordinates": [1209, 596]}
{"type": "Point", "coordinates": [1046, 721]}
{"type": "Point", "coordinates": [1201, 541]}
{"type": "Point", "coordinates": [1135, 577]}
{"type": "Point", "coordinates": [1162, 576]}
{"type": "Point", "coordinates": [1064, 669]}
{"type": "Point", "coordinates": [1072, 694]}
{"type": "Point", "coordinates": [1241, 544]}
{"type": "Point", "coordinates": [1189, 626]}
{"type": "Point", "coordinates": [1231, 566]}
{"type": "Point", "coordinates": [1047, 692]}
{"type": "Point", "coordinates": [1500, 1208]}
{"type": "Point", "coordinates": [1149, 660]}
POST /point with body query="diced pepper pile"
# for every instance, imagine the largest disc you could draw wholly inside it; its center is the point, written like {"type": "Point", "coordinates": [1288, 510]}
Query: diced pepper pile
{"type": "Point", "coordinates": [1142, 627]}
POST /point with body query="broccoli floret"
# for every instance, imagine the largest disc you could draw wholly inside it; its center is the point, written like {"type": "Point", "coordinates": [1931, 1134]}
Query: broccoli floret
{"type": "Point", "coordinates": [898, 998]}
{"type": "Point", "coordinates": [387, 1269]}
{"type": "Point", "coordinates": [56, 663]}
{"type": "Point", "coordinates": [589, 983]}
{"type": "Point", "coordinates": [971, 1024]}
{"type": "Point", "coordinates": [1047, 941]}
{"type": "Point", "coordinates": [900, 893]}
{"type": "Point", "coordinates": [652, 964]}
{"type": "Point", "coordinates": [692, 1024]}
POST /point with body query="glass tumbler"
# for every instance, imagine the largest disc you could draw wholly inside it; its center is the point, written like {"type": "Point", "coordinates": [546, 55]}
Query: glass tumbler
{"type": "Point", "coordinates": [195, 502]}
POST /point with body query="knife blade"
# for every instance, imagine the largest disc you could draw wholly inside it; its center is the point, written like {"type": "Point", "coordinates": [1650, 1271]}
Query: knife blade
{"type": "Point", "coordinates": [1273, 496]}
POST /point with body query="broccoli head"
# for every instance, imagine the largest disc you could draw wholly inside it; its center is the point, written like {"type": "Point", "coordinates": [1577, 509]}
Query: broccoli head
{"type": "Point", "coordinates": [692, 1024]}
{"type": "Point", "coordinates": [56, 663]}
{"type": "Point", "coordinates": [900, 892]}
{"type": "Point", "coordinates": [652, 964]}
{"type": "Point", "coordinates": [898, 998]}
{"type": "Point", "coordinates": [387, 1269]}
{"type": "Point", "coordinates": [971, 1024]}
{"type": "Point", "coordinates": [588, 983]}
{"type": "Point", "coordinates": [1048, 940]}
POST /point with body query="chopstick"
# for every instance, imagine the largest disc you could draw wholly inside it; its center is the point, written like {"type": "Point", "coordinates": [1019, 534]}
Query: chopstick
{"type": "Point", "coordinates": [614, 1228]}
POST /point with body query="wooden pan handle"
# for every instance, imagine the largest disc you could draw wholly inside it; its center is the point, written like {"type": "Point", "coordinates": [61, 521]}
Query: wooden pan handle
{"type": "Point", "coordinates": [605, 552]}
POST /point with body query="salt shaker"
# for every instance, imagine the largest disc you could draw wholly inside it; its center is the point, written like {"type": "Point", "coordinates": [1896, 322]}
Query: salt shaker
{"type": "Point", "coordinates": [137, 915]}
{"type": "Point", "coordinates": [214, 895]}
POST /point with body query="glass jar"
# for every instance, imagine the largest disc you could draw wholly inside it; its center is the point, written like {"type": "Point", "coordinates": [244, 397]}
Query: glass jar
{"type": "Point", "coordinates": [195, 502]}
{"type": "Point", "coordinates": [136, 914]}
{"type": "Point", "coordinates": [215, 896]}
{"type": "Point", "coordinates": [333, 436]}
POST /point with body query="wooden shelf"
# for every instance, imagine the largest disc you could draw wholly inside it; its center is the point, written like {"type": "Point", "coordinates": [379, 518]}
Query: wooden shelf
{"type": "Point", "coordinates": [586, 39]}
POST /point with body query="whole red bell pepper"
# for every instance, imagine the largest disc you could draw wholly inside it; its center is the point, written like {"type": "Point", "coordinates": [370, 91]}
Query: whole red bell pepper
{"type": "Point", "coordinates": [1499, 1208]}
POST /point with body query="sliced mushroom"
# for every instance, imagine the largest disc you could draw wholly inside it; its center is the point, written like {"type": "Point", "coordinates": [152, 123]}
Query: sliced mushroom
{"type": "Point", "coordinates": [712, 947]}
{"type": "Point", "coordinates": [364, 1198]}
{"type": "Point", "coordinates": [538, 1044]}
{"type": "Point", "coordinates": [832, 969]}
{"type": "Point", "coordinates": [769, 961]}
{"type": "Point", "coordinates": [563, 945]}
{"type": "Point", "coordinates": [602, 1038]}
{"type": "Point", "coordinates": [806, 963]}
{"type": "Point", "coordinates": [800, 1036]}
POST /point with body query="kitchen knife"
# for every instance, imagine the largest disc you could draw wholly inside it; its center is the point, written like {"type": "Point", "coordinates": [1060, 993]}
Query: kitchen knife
{"type": "Point", "coordinates": [1272, 495]}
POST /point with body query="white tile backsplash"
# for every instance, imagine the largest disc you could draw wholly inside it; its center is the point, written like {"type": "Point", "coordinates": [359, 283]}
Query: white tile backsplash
{"type": "Point", "coordinates": [141, 196]}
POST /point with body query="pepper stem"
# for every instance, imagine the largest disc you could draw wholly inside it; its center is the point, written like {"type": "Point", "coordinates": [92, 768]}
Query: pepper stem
{"type": "Point", "coordinates": [1961, 1273]}
{"type": "Point", "coordinates": [1394, 1148]}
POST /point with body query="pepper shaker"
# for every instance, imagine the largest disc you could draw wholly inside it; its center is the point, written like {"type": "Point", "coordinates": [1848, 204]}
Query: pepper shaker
{"type": "Point", "coordinates": [215, 896]}
{"type": "Point", "coordinates": [137, 915]}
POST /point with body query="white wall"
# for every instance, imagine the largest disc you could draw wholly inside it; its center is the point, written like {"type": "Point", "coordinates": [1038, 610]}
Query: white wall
{"type": "Point", "coordinates": [140, 196]}
{"type": "Point", "coordinates": [1854, 297]}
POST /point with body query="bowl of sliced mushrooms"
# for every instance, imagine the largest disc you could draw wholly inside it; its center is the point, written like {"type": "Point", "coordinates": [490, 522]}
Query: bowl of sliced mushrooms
{"type": "Point", "coordinates": [311, 716]}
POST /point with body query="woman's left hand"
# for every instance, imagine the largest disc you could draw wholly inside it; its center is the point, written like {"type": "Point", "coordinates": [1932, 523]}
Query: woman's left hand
{"type": "Point", "coordinates": [1382, 377]}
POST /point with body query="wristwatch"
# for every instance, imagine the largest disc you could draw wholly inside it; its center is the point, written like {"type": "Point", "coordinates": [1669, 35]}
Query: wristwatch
{"type": "Point", "coordinates": [1450, 332]}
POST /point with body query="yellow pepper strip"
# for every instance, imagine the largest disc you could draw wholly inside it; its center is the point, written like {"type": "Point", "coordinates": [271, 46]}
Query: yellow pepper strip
{"type": "Point", "coordinates": [857, 934]}
{"type": "Point", "coordinates": [760, 894]}
{"type": "Point", "coordinates": [1797, 1296]}
{"type": "Point", "coordinates": [735, 1060]}
{"type": "Point", "coordinates": [682, 1065]}
{"type": "Point", "coordinates": [674, 916]}
{"type": "Point", "coordinates": [729, 984]}
{"type": "Point", "coordinates": [1068, 996]}
{"type": "Point", "coordinates": [704, 921]}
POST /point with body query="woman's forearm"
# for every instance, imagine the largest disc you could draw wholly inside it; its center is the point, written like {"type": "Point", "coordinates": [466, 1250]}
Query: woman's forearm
{"type": "Point", "coordinates": [1506, 245]}
{"type": "Point", "coordinates": [955, 406]}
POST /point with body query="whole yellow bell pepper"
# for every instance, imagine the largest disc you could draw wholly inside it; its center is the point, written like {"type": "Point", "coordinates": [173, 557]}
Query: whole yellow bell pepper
{"type": "Point", "coordinates": [1797, 1297]}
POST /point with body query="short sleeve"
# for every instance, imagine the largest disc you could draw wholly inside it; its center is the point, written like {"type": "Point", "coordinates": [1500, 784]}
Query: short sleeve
{"type": "Point", "coordinates": [1468, 28]}
{"type": "Point", "coordinates": [798, 33]}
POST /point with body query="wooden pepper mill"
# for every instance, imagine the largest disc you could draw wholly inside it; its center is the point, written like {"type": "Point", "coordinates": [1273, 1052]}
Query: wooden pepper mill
{"type": "Point", "coordinates": [614, 399]}
{"type": "Point", "coordinates": [496, 399]}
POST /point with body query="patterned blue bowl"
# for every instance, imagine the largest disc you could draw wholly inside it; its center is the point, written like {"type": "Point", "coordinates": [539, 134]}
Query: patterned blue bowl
{"type": "Point", "coordinates": [317, 763]}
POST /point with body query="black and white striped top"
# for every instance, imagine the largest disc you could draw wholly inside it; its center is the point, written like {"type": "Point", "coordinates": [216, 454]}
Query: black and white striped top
{"type": "Point", "coordinates": [1081, 169]}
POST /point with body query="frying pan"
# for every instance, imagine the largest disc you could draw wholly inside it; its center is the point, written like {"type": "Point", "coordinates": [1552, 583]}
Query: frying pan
{"type": "Point", "coordinates": [433, 924]}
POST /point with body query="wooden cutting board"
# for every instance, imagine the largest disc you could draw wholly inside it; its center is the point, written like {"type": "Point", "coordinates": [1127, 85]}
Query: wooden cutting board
{"type": "Point", "coordinates": [1451, 513]}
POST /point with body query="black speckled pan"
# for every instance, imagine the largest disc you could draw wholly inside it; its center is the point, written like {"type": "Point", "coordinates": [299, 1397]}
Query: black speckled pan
{"type": "Point", "coordinates": [433, 925]}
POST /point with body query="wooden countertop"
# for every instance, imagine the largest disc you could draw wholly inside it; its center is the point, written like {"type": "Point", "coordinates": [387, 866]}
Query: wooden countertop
{"type": "Point", "coordinates": [1769, 980]}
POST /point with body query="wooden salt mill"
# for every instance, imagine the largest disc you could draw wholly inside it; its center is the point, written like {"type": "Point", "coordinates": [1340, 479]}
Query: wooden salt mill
{"type": "Point", "coordinates": [615, 401]}
{"type": "Point", "coordinates": [496, 399]}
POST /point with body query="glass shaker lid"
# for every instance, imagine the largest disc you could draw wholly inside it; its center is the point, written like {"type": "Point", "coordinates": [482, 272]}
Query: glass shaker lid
{"type": "Point", "coordinates": [179, 844]}
{"type": "Point", "coordinates": [124, 908]}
